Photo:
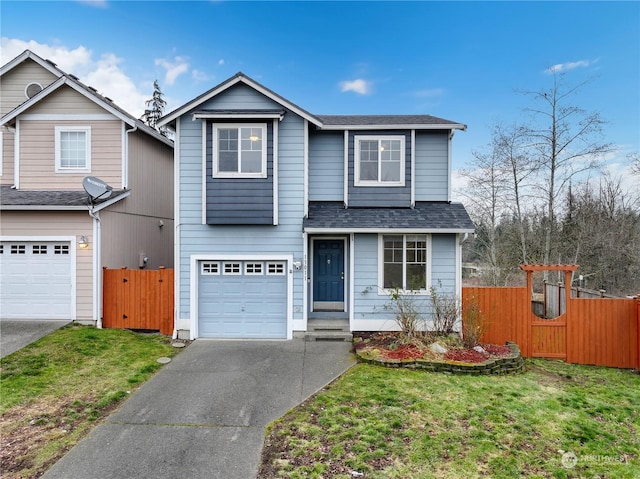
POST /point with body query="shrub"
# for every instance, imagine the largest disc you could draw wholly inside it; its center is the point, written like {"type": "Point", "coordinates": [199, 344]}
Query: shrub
{"type": "Point", "coordinates": [473, 323]}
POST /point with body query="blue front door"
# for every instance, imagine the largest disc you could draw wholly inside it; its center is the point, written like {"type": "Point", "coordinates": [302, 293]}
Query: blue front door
{"type": "Point", "coordinates": [328, 275]}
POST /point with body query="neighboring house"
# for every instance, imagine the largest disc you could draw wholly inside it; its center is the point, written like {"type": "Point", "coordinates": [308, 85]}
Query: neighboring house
{"type": "Point", "coordinates": [286, 217]}
{"type": "Point", "coordinates": [54, 242]}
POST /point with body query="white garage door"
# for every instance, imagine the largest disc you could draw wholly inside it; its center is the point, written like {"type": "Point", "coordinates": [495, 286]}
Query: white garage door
{"type": "Point", "coordinates": [35, 280]}
{"type": "Point", "coordinates": [242, 299]}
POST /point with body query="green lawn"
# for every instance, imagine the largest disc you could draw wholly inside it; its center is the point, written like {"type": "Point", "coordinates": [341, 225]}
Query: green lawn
{"type": "Point", "coordinates": [399, 423]}
{"type": "Point", "coordinates": [55, 390]}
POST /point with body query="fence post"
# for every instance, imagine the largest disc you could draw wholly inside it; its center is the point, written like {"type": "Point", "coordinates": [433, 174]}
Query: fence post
{"type": "Point", "coordinates": [638, 326]}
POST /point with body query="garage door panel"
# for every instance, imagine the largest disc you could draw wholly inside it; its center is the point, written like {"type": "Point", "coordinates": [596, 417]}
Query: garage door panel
{"type": "Point", "coordinates": [37, 282]}
{"type": "Point", "coordinates": [242, 305]}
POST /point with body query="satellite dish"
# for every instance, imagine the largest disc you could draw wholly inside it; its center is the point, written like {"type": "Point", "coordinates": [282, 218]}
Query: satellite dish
{"type": "Point", "coordinates": [96, 188]}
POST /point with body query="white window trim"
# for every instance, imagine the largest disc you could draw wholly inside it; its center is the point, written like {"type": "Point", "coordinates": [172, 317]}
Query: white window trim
{"type": "Point", "coordinates": [63, 129]}
{"type": "Point", "coordinates": [356, 160]}
{"type": "Point", "coordinates": [214, 150]}
{"type": "Point", "coordinates": [233, 265]}
{"type": "Point", "coordinates": [1, 149]}
{"type": "Point", "coordinates": [277, 265]}
{"type": "Point", "coordinates": [260, 265]}
{"type": "Point", "coordinates": [204, 265]}
{"type": "Point", "coordinates": [384, 292]}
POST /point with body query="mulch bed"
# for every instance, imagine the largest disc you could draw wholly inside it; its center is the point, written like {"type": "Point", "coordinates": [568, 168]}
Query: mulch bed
{"type": "Point", "coordinates": [389, 345]}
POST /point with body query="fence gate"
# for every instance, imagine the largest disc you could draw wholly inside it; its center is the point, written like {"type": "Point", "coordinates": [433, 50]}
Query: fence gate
{"type": "Point", "coordinates": [600, 331]}
{"type": "Point", "coordinates": [138, 299]}
{"type": "Point", "coordinates": [549, 336]}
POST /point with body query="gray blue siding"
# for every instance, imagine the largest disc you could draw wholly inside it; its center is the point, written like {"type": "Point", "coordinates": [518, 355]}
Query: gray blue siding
{"type": "Point", "coordinates": [380, 196]}
{"type": "Point", "coordinates": [432, 166]}
{"type": "Point", "coordinates": [326, 166]}
{"type": "Point", "coordinates": [198, 238]}
{"type": "Point", "coordinates": [370, 299]}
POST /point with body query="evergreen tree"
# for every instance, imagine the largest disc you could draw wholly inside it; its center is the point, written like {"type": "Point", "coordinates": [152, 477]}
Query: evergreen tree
{"type": "Point", "coordinates": [155, 109]}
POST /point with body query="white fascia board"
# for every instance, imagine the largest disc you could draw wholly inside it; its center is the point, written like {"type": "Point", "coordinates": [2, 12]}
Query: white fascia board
{"type": "Point", "coordinates": [345, 161]}
{"type": "Point", "coordinates": [111, 201]}
{"type": "Point", "coordinates": [228, 84]}
{"type": "Point", "coordinates": [177, 258]}
{"type": "Point", "coordinates": [447, 126]}
{"type": "Point", "coordinates": [29, 54]}
{"type": "Point", "coordinates": [388, 230]}
{"type": "Point", "coordinates": [234, 116]}
{"type": "Point", "coordinates": [276, 188]}
{"type": "Point", "coordinates": [41, 208]}
{"type": "Point", "coordinates": [305, 169]}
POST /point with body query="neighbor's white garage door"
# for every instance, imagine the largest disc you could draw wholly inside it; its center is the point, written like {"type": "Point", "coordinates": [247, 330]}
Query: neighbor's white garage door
{"type": "Point", "coordinates": [242, 299]}
{"type": "Point", "coordinates": [35, 280]}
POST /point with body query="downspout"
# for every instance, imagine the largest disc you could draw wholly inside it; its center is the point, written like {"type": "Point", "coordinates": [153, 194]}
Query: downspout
{"type": "Point", "coordinates": [125, 157]}
{"type": "Point", "coordinates": [97, 267]}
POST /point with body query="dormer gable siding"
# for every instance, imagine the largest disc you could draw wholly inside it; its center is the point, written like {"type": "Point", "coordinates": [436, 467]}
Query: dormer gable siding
{"type": "Point", "coordinates": [238, 200]}
{"type": "Point", "coordinates": [15, 82]}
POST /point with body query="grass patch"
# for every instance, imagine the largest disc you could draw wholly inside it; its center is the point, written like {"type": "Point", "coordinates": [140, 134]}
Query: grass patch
{"type": "Point", "coordinates": [56, 389]}
{"type": "Point", "coordinates": [398, 423]}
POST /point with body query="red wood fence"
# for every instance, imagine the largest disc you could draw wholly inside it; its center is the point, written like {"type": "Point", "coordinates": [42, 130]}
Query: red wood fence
{"type": "Point", "coordinates": [138, 299]}
{"type": "Point", "coordinates": [603, 331]}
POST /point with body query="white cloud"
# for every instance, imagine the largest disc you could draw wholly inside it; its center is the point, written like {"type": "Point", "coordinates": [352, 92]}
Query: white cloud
{"type": "Point", "coordinates": [199, 75]}
{"type": "Point", "coordinates": [221, 61]}
{"type": "Point", "coordinates": [174, 68]}
{"type": "Point", "coordinates": [359, 86]}
{"type": "Point", "coordinates": [562, 67]}
{"type": "Point", "coordinates": [104, 74]}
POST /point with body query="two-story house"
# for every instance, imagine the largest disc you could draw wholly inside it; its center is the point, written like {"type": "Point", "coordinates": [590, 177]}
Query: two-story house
{"type": "Point", "coordinates": [284, 217]}
{"type": "Point", "coordinates": [55, 239]}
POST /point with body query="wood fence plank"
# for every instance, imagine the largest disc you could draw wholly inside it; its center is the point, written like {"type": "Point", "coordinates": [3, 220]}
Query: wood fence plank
{"type": "Point", "coordinates": [138, 299]}
{"type": "Point", "coordinates": [599, 331]}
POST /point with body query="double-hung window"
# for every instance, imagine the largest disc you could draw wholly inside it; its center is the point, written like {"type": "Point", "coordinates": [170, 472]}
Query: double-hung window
{"type": "Point", "coordinates": [73, 149]}
{"type": "Point", "coordinates": [379, 160]}
{"type": "Point", "coordinates": [404, 262]}
{"type": "Point", "coordinates": [240, 150]}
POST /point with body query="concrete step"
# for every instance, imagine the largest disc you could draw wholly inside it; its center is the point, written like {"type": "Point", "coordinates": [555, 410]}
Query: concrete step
{"type": "Point", "coordinates": [328, 330]}
{"type": "Point", "coordinates": [328, 336]}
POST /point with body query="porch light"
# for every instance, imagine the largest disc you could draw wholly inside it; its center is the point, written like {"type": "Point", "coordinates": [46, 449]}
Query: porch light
{"type": "Point", "coordinates": [83, 242]}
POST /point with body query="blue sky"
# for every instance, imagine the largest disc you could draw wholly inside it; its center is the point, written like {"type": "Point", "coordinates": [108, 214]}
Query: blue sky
{"type": "Point", "coordinates": [463, 61]}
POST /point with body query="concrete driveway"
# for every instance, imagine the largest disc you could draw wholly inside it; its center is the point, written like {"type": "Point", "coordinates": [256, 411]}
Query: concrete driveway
{"type": "Point", "coordinates": [203, 416]}
{"type": "Point", "coordinates": [16, 334]}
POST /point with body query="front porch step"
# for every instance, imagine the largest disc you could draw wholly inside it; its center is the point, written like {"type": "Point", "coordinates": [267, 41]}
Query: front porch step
{"type": "Point", "coordinates": [328, 330]}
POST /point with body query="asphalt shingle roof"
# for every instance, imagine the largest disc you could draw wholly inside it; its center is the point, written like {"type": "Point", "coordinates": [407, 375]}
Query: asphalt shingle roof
{"type": "Point", "coordinates": [52, 198]}
{"type": "Point", "coordinates": [389, 120]}
{"type": "Point", "coordinates": [425, 215]}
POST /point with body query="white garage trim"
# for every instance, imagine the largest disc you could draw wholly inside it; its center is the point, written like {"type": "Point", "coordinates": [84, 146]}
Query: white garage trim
{"type": "Point", "coordinates": [72, 259]}
{"type": "Point", "coordinates": [194, 273]}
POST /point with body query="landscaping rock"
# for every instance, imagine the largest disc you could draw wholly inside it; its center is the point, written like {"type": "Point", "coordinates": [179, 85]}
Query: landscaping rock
{"type": "Point", "coordinates": [438, 348]}
{"type": "Point", "coordinates": [480, 349]}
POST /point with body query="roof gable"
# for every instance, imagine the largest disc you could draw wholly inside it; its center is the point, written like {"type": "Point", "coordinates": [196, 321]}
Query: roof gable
{"type": "Point", "coordinates": [71, 81]}
{"type": "Point", "coordinates": [29, 55]}
{"type": "Point", "coordinates": [234, 80]}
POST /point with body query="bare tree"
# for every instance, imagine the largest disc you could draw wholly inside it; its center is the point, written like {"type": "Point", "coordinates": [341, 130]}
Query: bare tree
{"type": "Point", "coordinates": [485, 190]}
{"type": "Point", "coordinates": [510, 146]}
{"type": "Point", "coordinates": [567, 142]}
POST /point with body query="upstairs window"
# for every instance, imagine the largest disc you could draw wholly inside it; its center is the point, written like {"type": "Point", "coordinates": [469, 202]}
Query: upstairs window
{"type": "Point", "coordinates": [379, 160]}
{"type": "Point", "coordinates": [73, 149]}
{"type": "Point", "coordinates": [240, 151]}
